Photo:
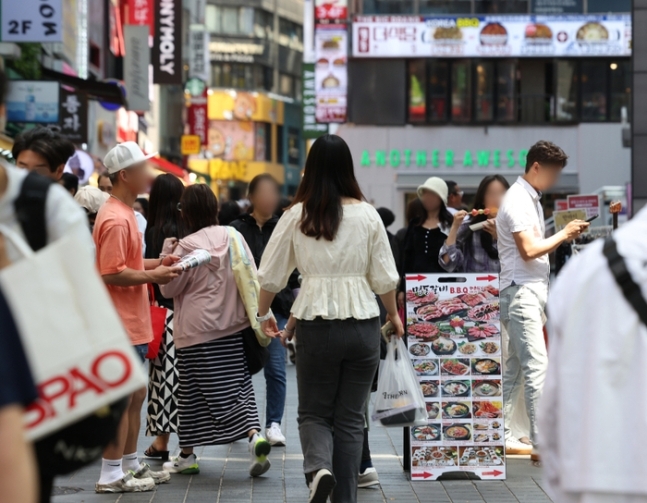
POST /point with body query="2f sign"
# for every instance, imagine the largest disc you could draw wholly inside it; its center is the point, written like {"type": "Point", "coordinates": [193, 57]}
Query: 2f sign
{"type": "Point", "coordinates": [31, 21]}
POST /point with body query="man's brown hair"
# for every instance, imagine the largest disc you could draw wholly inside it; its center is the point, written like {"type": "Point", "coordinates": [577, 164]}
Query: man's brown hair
{"type": "Point", "coordinates": [545, 152]}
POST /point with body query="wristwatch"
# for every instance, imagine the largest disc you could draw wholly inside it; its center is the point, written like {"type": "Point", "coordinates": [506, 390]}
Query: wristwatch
{"type": "Point", "coordinates": [261, 319]}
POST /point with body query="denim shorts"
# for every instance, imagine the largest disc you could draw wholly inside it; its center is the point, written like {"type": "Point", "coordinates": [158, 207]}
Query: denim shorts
{"type": "Point", "coordinates": [142, 349]}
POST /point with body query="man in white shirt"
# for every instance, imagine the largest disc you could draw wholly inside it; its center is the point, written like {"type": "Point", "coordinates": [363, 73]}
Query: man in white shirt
{"type": "Point", "coordinates": [525, 269]}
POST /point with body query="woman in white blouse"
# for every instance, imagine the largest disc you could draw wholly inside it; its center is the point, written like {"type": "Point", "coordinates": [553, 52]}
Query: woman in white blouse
{"type": "Point", "coordinates": [339, 245]}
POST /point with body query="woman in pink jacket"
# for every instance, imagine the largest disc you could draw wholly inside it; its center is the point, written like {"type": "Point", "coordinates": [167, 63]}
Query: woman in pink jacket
{"type": "Point", "coordinates": [216, 400]}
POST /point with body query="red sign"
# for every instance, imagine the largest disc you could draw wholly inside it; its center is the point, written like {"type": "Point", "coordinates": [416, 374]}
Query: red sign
{"type": "Point", "coordinates": [331, 9]}
{"type": "Point", "coordinates": [140, 12]}
{"type": "Point", "coordinates": [590, 203]}
{"type": "Point", "coordinates": [561, 204]}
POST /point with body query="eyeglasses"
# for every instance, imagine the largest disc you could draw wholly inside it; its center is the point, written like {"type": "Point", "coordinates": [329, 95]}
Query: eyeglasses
{"type": "Point", "coordinates": [179, 206]}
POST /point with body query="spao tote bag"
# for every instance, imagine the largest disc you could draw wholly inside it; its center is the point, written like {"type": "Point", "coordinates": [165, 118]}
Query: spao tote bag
{"type": "Point", "coordinates": [79, 353]}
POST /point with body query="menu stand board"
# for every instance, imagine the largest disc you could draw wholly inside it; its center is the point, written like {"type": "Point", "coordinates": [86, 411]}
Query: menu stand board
{"type": "Point", "coordinates": [454, 341]}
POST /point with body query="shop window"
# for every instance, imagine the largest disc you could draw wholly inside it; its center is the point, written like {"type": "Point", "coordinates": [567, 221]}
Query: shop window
{"type": "Point", "coordinates": [501, 6]}
{"type": "Point", "coordinates": [565, 105]}
{"type": "Point", "coordinates": [286, 85]}
{"type": "Point", "coordinates": [484, 104]}
{"type": "Point", "coordinates": [263, 24]}
{"type": "Point", "coordinates": [445, 6]}
{"type": "Point", "coordinates": [213, 15]}
{"type": "Point", "coordinates": [506, 109]}
{"type": "Point", "coordinates": [236, 75]}
{"type": "Point", "coordinates": [417, 109]}
{"type": "Point", "coordinates": [246, 21]}
{"type": "Point", "coordinates": [594, 80]}
{"type": "Point", "coordinates": [290, 35]}
{"type": "Point", "coordinates": [437, 88]}
{"type": "Point", "coordinates": [388, 7]}
{"type": "Point", "coordinates": [604, 6]}
{"type": "Point", "coordinates": [461, 91]}
{"type": "Point", "coordinates": [620, 85]}
{"type": "Point", "coordinates": [229, 21]}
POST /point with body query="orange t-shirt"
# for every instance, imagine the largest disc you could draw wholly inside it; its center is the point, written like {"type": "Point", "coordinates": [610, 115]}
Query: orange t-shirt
{"type": "Point", "coordinates": [119, 247]}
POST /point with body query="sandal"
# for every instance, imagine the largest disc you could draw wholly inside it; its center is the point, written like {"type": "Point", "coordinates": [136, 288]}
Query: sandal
{"type": "Point", "coordinates": [153, 453]}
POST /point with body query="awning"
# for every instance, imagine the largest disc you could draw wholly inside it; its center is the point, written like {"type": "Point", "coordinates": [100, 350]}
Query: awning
{"type": "Point", "coordinates": [168, 167]}
{"type": "Point", "coordinates": [93, 88]}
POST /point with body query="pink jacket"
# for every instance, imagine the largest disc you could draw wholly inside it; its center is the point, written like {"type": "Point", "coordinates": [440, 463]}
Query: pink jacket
{"type": "Point", "coordinates": [206, 299]}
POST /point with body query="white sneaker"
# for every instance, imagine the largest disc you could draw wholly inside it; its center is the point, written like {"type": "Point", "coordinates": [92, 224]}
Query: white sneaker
{"type": "Point", "coordinates": [128, 484]}
{"type": "Point", "coordinates": [321, 486]}
{"type": "Point", "coordinates": [515, 446]}
{"type": "Point", "coordinates": [259, 448]}
{"type": "Point", "coordinates": [184, 466]}
{"type": "Point", "coordinates": [144, 472]}
{"type": "Point", "coordinates": [368, 478]}
{"type": "Point", "coordinates": [274, 435]}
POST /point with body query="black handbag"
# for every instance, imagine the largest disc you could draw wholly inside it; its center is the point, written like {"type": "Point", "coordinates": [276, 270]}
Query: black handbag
{"type": "Point", "coordinates": [255, 354]}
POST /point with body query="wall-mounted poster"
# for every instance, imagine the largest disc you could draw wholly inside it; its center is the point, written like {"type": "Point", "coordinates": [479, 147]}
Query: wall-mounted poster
{"type": "Point", "coordinates": [454, 341]}
{"type": "Point", "coordinates": [32, 101]}
{"type": "Point", "coordinates": [331, 72]}
{"type": "Point", "coordinates": [231, 140]}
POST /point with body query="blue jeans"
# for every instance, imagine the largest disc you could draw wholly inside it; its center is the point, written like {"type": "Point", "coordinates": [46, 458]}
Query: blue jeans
{"type": "Point", "coordinates": [275, 379]}
{"type": "Point", "coordinates": [142, 351]}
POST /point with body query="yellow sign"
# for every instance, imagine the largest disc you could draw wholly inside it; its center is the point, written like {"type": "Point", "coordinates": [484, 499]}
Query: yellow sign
{"type": "Point", "coordinates": [562, 218]}
{"type": "Point", "coordinates": [243, 106]}
{"type": "Point", "coordinates": [227, 170]}
{"type": "Point", "coordinates": [190, 144]}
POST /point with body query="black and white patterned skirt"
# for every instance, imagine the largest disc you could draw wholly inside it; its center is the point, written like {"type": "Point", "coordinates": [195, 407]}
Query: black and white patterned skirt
{"type": "Point", "coordinates": [216, 398]}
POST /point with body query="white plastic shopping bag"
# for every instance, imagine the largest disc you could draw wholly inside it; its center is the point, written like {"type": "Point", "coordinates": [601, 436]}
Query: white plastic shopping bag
{"type": "Point", "coordinates": [399, 401]}
{"type": "Point", "coordinates": [77, 348]}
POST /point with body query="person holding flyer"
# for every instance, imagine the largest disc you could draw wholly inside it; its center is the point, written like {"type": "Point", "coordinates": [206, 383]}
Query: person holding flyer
{"type": "Point", "coordinates": [525, 270]}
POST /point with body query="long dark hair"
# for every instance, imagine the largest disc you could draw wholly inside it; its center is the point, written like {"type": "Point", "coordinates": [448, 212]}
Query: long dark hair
{"type": "Point", "coordinates": [418, 214]}
{"type": "Point", "coordinates": [479, 204]}
{"type": "Point", "coordinates": [199, 208]}
{"type": "Point", "coordinates": [329, 177]}
{"type": "Point", "coordinates": [164, 220]}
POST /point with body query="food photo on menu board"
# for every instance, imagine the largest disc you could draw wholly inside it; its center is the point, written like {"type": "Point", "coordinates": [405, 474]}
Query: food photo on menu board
{"type": "Point", "coordinates": [454, 343]}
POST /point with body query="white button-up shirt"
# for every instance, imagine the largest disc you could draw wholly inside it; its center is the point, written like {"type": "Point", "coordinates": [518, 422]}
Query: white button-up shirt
{"type": "Point", "coordinates": [521, 211]}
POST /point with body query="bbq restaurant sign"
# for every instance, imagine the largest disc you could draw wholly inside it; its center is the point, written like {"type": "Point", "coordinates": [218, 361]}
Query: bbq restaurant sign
{"type": "Point", "coordinates": [492, 36]}
{"type": "Point", "coordinates": [167, 42]}
{"type": "Point", "coordinates": [444, 158]}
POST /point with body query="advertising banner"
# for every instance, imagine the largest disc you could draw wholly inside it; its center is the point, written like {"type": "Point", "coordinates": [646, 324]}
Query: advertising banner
{"type": "Point", "coordinates": [331, 72]}
{"type": "Point", "coordinates": [197, 108]}
{"type": "Point", "coordinates": [190, 144]}
{"type": "Point", "coordinates": [167, 42]}
{"type": "Point", "coordinates": [140, 12]}
{"type": "Point", "coordinates": [32, 101]}
{"type": "Point", "coordinates": [136, 62]}
{"type": "Point", "coordinates": [492, 36]}
{"type": "Point", "coordinates": [590, 203]}
{"type": "Point", "coordinates": [74, 116]}
{"type": "Point", "coordinates": [331, 10]}
{"type": "Point", "coordinates": [31, 21]}
{"type": "Point", "coordinates": [311, 129]}
{"type": "Point", "coordinates": [454, 341]}
{"type": "Point", "coordinates": [231, 140]}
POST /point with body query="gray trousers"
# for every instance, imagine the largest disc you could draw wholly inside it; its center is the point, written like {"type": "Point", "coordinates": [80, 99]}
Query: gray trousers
{"type": "Point", "coordinates": [335, 369]}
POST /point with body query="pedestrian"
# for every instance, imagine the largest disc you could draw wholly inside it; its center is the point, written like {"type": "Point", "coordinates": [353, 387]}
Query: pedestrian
{"type": "Point", "coordinates": [387, 217]}
{"type": "Point", "coordinates": [257, 228]}
{"type": "Point", "coordinates": [104, 183]}
{"type": "Point", "coordinates": [42, 150]}
{"type": "Point", "coordinates": [414, 210]}
{"type": "Point", "coordinates": [229, 211]}
{"type": "Point", "coordinates": [164, 221]}
{"type": "Point", "coordinates": [338, 243]}
{"type": "Point", "coordinates": [216, 397]}
{"type": "Point", "coordinates": [454, 197]}
{"type": "Point", "coordinates": [141, 207]}
{"type": "Point", "coordinates": [591, 416]}
{"type": "Point", "coordinates": [426, 233]}
{"type": "Point", "coordinates": [91, 200]}
{"type": "Point", "coordinates": [525, 270]}
{"type": "Point", "coordinates": [70, 182]}
{"type": "Point", "coordinates": [121, 263]}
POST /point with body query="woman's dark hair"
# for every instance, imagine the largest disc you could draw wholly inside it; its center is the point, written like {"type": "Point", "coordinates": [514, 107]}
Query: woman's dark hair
{"type": "Point", "coordinates": [418, 214]}
{"type": "Point", "coordinates": [387, 216]}
{"type": "Point", "coordinates": [144, 203]}
{"type": "Point", "coordinates": [164, 219]}
{"type": "Point", "coordinates": [479, 204]}
{"type": "Point", "coordinates": [329, 177]}
{"type": "Point", "coordinates": [199, 208]}
{"type": "Point", "coordinates": [54, 147]}
{"type": "Point", "coordinates": [70, 181]}
{"type": "Point", "coordinates": [229, 211]}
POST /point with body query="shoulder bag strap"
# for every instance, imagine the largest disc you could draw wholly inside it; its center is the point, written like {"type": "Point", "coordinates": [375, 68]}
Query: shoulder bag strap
{"type": "Point", "coordinates": [30, 209]}
{"type": "Point", "coordinates": [630, 289]}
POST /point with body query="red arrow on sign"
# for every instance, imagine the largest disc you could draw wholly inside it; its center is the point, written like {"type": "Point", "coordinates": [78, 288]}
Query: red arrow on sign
{"type": "Point", "coordinates": [424, 475]}
{"type": "Point", "coordinates": [494, 473]}
{"type": "Point", "coordinates": [419, 277]}
{"type": "Point", "coordinates": [484, 278]}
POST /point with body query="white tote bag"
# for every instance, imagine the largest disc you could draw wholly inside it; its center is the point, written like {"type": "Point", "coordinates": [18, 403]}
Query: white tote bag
{"type": "Point", "coordinates": [79, 353]}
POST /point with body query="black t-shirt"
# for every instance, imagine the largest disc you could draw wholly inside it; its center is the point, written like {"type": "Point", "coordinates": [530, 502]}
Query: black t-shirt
{"type": "Point", "coordinates": [421, 249]}
{"type": "Point", "coordinates": [16, 382]}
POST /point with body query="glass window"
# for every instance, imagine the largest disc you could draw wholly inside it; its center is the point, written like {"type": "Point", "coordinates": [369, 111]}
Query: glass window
{"type": "Point", "coordinates": [246, 21]}
{"type": "Point", "coordinates": [388, 6]}
{"type": "Point", "coordinates": [566, 95]}
{"type": "Point", "coordinates": [594, 90]}
{"type": "Point", "coordinates": [212, 18]}
{"type": "Point", "coordinates": [286, 83]}
{"type": "Point", "coordinates": [484, 91]}
{"type": "Point", "coordinates": [262, 24]}
{"type": "Point", "coordinates": [236, 75]}
{"type": "Point", "coordinates": [445, 6]}
{"type": "Point", "coordinates": [461, 91]}
{"type": "Point", "coordinates": [505, 90]}
{"type": "Point", "coordinates": [620, 80]}
{"type": "Point", "coordinates": [298, 91]}
{"type": "Point", "coordinates": [603, 6]}
{"type": "Point", "coordinates": [501, 6]}
{"type": "Point", "coordinates": [230, 20]}
{"type": "Point", "coordinates": [437, 89]}
{"type": "Point", "coordinates": [417, 109]}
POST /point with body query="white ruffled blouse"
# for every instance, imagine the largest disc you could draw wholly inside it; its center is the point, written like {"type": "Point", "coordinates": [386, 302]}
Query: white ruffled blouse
{"type": "Point", "coordinates": [341, 276]}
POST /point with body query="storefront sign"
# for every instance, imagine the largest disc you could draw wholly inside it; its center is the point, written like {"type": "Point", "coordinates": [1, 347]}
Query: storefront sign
{"type": "Point", "coordinates": [227, 170]}
{"type": "Point", "coordinates": [32, 101]}
{"type": "Point", "coordinates": [437, 158]}
{"type": "Point", "coordinates": [167, 42]}
{"type": "Point", "coordinates": [331, 73]}
{"type": "Point", "coordinates": [562, 218]}
{"type": "Point", "coordinates": [197, 111]}
{"type": "Point", "coordinates": [231, 140]}
{"type": "Point", "coordinates": [74, 116]}
{"type": "Point", "coordinates": [140, 12]}
{"type": "Point", "coordinates": [190, 144]}
{"type": "Point", "coordinates": [32, 21]}
{"type": "Point", "coordinates": [454, 340]}
{"type": "Point", "coordinates": [136, 62]}
{"type": "Point", "coordinates": [310, 127]}
{"type": "Point", "coordinates": [557, 6]}
{"type": "Point", "coordinates": [591, 204]}
{"type": "Point", "coordinates": [198, 41]}
{"type": "Point", "coordinates": [492, 36]}
{"type": "Point", "coordinates": [561, 204]}
{"type": "Point", "coordinates": [331, 9]}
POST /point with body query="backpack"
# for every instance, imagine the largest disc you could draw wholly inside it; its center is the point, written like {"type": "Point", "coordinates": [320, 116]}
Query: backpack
{"type": "Point", "coordinates": [80, 443]}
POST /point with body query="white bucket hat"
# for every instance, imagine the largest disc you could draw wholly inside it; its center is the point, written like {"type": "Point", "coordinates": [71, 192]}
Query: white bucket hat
{"type": "Point", "coordinates": [435, 185]}
{"type": "Point", "coordinates": [124, 155]}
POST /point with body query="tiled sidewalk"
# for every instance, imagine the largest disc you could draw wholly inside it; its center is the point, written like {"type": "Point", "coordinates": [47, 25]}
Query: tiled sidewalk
{"type": "Point", "coordinates": [224, 477]}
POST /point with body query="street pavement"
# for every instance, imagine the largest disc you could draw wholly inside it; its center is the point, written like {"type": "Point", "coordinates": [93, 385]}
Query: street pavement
{"type": "Point", "coordinates": [224, 476]}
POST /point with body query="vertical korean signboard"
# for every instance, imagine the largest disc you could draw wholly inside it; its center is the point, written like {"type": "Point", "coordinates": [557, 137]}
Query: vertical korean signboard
{"type": "Point", "coordinates": [167, 42]}
{"type": "Point", "coordinates": [73, 116]}
{"type": "Point", "coordinates": [454, 340]}
{"type": "Point", "coordinates": [311, 129]}
{"type": "Point", "coordinates": [331, 72]}
{"type": "Point", "coordinates": [136, 62]}
{"type": "Point", "coordinates": [197, 108]}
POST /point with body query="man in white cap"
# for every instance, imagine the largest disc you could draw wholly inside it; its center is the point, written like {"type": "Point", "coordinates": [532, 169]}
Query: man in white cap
{"type": "Point", "coordinates": [125, 272]}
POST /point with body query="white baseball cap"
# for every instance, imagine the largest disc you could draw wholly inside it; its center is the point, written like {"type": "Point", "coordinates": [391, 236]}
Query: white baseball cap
{"type": "Point", "coordinates": [435, 185]}
{"type": "Point", "coordinates": [124, 155]}
{"type": "Point", "coordinates": [91, 198]}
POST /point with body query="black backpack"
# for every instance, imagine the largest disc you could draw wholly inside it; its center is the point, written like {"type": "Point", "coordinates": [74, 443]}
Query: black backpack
{"type": "Point", "coordinates": [81, 443]}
